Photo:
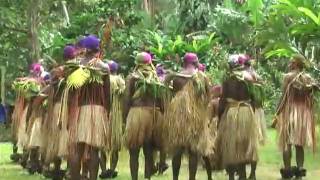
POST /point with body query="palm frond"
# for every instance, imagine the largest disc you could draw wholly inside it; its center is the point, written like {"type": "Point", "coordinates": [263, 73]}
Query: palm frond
{"type": "Point", "coordinates": [78, 78]}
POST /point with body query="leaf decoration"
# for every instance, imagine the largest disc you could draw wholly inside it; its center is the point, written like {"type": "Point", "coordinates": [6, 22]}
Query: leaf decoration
{"type": "Point", "coordinates": [27, 88]}
{"type": "Point", "coordinates": [78, 78]}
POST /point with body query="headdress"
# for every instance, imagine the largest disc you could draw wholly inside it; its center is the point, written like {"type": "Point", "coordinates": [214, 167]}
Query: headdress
{"type": "Point", "coordinates": [299, 59]}
{"type": "Point", "coordinates": [91, 42]}
{"type": "Point", "coordinates": [243, 58]}
{"type": "Point", "coordinates": [143, 58]}
{"type": "Point", "coordinates": [202, 67]}
{"type": "Point", "coordinates": [36, 68]}
{"type": "Point", "coordinates": [69, 52]}
{"type": "Point", "coordinates": [113, 66]}
{"type": "Point", "coordinates": [190, 58]}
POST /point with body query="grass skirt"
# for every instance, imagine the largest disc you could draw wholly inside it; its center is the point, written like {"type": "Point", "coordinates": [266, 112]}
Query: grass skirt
{"type": "Point", "coordinates": [92, 126]}
{"type": "Point", "coordinates": [296, 126]}
{"type": "Point", "coordinates": [262, 126]}
{"type": "Point", "coordinates": [116, 118]}
{"type": "Point", "coordinates": [237, 137]}
{"type": "Point", "coordinates": [22, 136]}
{"type": "Point", "coordinates": [140, 124]}
{"type": "Point", "coordinates": [19, 107]}
{"type": "Point", "coordinates": [158, 132]}
{"type": "Point", "coordinates": [187, 123]}
{"type": "Point", "coordinates": [54, 133]}
{"type": "Point", "coordinates": [35, 128]}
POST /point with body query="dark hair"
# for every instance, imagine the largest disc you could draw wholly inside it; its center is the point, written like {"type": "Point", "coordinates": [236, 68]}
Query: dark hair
{"type": "Point", "coordinates": [299, 60]}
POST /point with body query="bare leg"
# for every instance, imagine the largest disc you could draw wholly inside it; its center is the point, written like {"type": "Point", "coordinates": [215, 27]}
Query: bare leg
{"type": "Point", "coordinates": [134, 163]}
{"type": "Point", "coordinates": [287, 157]}
{"type": "Point", "coordinates": [300, 156]}
{"type": "Point", "coordinates": [148, 158]}
{"type": "Point", "coordinates": [208, 167]}
{"type": "Point", "coordinates": [114, 160]}
{"type": "Point", "coordinates": [253, 170]}
{"type": "Point", "coordinates": [24, 158]}
{"type": "Point", "coordinates": [193, 165]}
{"type": "Point", "coordinates": [162, 166]}
{"type": "Point", "coordinates": [34, 162]}
{"type": "Point", "coordinates": [57, 164]}
{"type": "Point", "coordinates": [300, 171]}
{"type": "Point", "coordinates": [58, 174]}
{"type": "Point", "coordinates": [75, 162]}
{"type": "Point", "coordinates": [287, 172]}
{"type": "Point", "coordinates": [231, 170]}
{"type": "Point", "coordinates": [103, 159]}
{"type": "Point", "coordinates": [93, 163]}
{"type": "Point", "coordinates": [242, 172]}
{"type": "Point", "coordinates": [15, 156]}
{"type": "Point", "coordinates": [85, 170]}
{"type": "Point", "coordinates": [176, 163]}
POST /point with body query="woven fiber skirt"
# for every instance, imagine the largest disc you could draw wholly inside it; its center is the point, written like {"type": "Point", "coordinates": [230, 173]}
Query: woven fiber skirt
{"type": "Point", "coordinates": [54, 133]}
{"type": "Point", "coordinates": [140, 124]}
{"type": "Point", "coordinates": [35, 139]}
{"type": "Point", "coordinates": [187, 123]}
{"type": "Point", "coordinates": [92, 126]}
{"type": "Point", "coordinates": [22, 135]}
{"type": "Point", "coordinates": [158, 133]}
{"type": "Point", "coordinates": [296, 126]}
{"type": "Point", "coordinates": [237, 138]}
{"type": "Point", "coordinates": [262, 126]}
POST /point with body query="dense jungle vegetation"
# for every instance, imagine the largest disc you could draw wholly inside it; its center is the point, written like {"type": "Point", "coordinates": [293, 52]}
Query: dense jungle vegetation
{"type": "Point", "coordinates": [270, 31]}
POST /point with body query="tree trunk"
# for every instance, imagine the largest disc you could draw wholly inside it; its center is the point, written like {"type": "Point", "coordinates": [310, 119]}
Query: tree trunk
{"type": "Point", "coordinates": [146, 6]}
{"type": "Point", "coordinates": [34, 21]}
{"type": "Point", "coordinates": [3, 92]}
{"type": "Point", "coordinates": [65, 12]}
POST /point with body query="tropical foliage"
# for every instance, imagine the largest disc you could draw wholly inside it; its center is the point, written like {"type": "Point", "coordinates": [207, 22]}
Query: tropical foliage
{"type": "Point", "coordinates": [268, 30]}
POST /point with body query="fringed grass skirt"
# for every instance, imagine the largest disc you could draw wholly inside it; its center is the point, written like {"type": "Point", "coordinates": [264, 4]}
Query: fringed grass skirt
{"type": "Point", "coordinates": [92, 128]}
{"type": "Point", "coordinates": [22, 135]}
{"type": "Point", "coordinates": [187, 123]}
{"type": "Point", "coordinates": [35, 139]}
{"type": "Point", "coordinates": [237, 136]}
{"type": "Point", "coordinates": [262, 126]}
{"type": "Point", "coordinates": [296, 126]}
{"type": "Point", "coordinates": [140, 124]}
{"type": "Point", "coordinates": [54, 133]}
{"type": "Point", "coordinates": [63, 143]}
{"type": "Point", "coordinates": [116, 123]}
{"type": "Point", "coordinates": [19, 107]}
{"type": "Point", "coordinates": [158, 133]}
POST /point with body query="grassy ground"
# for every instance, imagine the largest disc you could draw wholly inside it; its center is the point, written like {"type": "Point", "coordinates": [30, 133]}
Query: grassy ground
{"type": "Point", "coordinates": [268, 167]}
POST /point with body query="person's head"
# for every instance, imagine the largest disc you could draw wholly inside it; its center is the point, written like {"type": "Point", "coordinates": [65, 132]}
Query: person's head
{"type": "Point", "coordinates": [233, 61]}
{"type": "Point", "coordinates": [36, 69]}
{"type": "Point", "coordinates": [216, 91]}
{"type": "Point", "coordinates": [69, 52]}
{"type": "Point", "coordinates": [143, 58]}
{"type": "Point", "coordinates": [297, 62]}
{"type": "Point", "coordinates": [113, 66]}
{"type": "Point", "coordinates": [92, 45]}
{"type": "Point", "coordinates": [202, 67]}
{"type": "Point", "coordinates": [244, 60]}
{"type": "Point", "coordinates": [190, 60]}
{"type": "Point", "coordinates": [160, 70]}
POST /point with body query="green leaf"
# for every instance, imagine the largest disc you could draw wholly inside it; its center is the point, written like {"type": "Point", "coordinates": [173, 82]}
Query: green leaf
{"type": "Point", "coordinates": [310, 14]}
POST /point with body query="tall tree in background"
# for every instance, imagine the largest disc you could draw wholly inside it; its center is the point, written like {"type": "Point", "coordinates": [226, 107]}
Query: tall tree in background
{"type": "Point", "coordinates": [33, 25]}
